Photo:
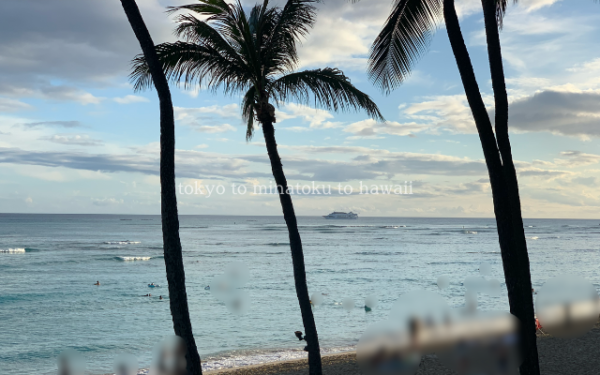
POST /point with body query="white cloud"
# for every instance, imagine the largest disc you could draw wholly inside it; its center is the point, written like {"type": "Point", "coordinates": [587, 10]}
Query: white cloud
{"type": "Point", "coordinates": [187, 114]}
{"type": "Point", "coordinates": [69, 94]}
{"type": "Point", "coordinates": [372, 129]}
{"type": "Point", "coordinates": [128, 99]}
{"type": "Point", "coordinates": [590, 66]}
{"type": "Point", "coordinates": [531, 5]}
{"type": "Point", "coordinates": [11, 105]}
{"type": "Point", "coordinates": [73, 139]}
{"type": "Point", "coordinates": [206, 119]}
{"type": "Point", "coordinates": [448, 112]}
{"type": "Point", "coordinates": [577, 159]}
{"type": "Point", "coordinates": [317, 118]}
{"type": "Point", "coordinates": [107, 201]}
{"type": "Point", "coordinates": [213, 129]}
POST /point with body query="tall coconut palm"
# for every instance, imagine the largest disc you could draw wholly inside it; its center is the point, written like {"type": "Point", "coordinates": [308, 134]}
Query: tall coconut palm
{"type": "Point", "coordinates": [170, 220]}
{"type": "Point", "coordinates": [255, 54]}
{"type": "Point", "coordinates": [403, 39]}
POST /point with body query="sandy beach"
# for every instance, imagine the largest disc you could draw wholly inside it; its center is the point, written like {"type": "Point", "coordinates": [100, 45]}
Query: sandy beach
{"type": "Point", "coordinates": [577, 356]}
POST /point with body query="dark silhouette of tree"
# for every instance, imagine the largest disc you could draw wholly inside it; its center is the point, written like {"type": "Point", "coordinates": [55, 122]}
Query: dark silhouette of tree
{"type": "Point", "coordinates": [170, 220]}
{"type": "Point", "coordinates": [403, 39]}
{"type": "Point", "coordinates": [255, 54]}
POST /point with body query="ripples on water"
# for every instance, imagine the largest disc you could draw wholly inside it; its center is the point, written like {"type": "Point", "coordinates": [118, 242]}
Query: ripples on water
{"type": "Point", "coordinates": [49, 264]}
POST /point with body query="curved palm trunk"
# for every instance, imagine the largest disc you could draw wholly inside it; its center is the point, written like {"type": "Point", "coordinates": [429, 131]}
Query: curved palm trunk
{"type": "Point", "coordinates": [519, 288]}
{"type": "Point", "coordinates": [312, 339]}
{"type": "Point", "coordinates": [170, 220]}
{"type": "Point", "coordinates": [502, 176]}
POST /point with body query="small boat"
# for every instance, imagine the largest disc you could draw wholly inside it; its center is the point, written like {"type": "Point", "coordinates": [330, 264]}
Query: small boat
{"type": "Point", "coordinates": [153, 285]}
{"type": "Point", "coordinates": [342, 215]}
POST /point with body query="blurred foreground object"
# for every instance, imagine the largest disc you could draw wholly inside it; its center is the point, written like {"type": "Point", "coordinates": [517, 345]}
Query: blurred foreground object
{"type": "Point", "coordinates": [443, 282]}
{"type": "Point", "coordinates": [227, 288]}
{"type": "Point", "coordinates": [348, 304]}
{"type": "Point", "coordinates": [567, 306]}
{"type": "Point", "coordinates": [170, 357]}
{"type": "Point", "coordinates": [469, 342]}
{"type": "Point", "coordinates": [370, 302]}
{"type": "Point", "coordinates": [126, 365]}
{"type": "Point", "coordinates": [70, 362]}
{"type": "Point", "coordinates": [316, 299]}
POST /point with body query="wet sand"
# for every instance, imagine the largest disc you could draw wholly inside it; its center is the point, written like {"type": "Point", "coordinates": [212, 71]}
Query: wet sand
{"type": "Point", "coordinates": [578, 356]}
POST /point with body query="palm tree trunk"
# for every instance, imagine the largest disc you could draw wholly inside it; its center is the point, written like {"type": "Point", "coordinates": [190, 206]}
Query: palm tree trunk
{"type": "Point", "coordinates": [502, 173]}
{"type": "Point", "coordinates": [312, 340]}
{"type": "Point", "coordinates": [520, 286]}
{"type": "Point", "coordinates": [170, 220]}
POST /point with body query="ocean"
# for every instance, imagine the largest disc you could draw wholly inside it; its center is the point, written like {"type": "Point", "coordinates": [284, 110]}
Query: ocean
{"type": "Point", "coordinates": [49, 263]}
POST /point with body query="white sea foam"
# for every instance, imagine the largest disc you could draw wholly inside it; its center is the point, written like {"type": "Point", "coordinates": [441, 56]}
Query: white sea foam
{"type": "Point", "coordinates": [130, 259]}
{"type": "Point", "coordinates": [121, 242]}
{"type": "Point", "coordinates": [248, 359]}
{"type": "Point", "coordinates": [535, 238]}
{"type": "Point", "coordinates": [470, 232]}
{"type": "Point", "coordinates": [13, 251]}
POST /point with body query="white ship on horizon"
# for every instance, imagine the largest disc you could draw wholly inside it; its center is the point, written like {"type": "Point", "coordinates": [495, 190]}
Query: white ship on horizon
{"type": "Point", "coordinates": [342, 215]}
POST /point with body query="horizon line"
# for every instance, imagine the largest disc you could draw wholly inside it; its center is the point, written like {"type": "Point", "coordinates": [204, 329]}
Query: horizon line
{"type": "Point", "coordinates": [238, 215]}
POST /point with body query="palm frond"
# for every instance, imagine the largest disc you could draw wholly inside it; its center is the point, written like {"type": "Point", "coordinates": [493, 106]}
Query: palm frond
{"type": "Point", "coordinates": [329, 87]}
{"type": "Point", "coordinates": [190, 64]}
{"type": "Point", "coordinates": [210, 8]}
{"type": "Point", "coordinates": [501, 10]}
{"type": "Point", "coordinates": [291, 23]}
{"type": "Point", "coordinates": [196, 31]}
{"type": "Point", "coordinates": [223, 17]}
{"type": "Point", "coordinates": [403, 39]}
{"type": "Point", "coordinates": [248, 103]}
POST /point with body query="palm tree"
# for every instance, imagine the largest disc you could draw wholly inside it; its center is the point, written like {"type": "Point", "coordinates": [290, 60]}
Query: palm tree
{"type": "Point", "coordinates": [170, 220]}
{"type": "Point", "coordinates": [403, 39]}
{"type": "Point", "coordinates": [255, 55]}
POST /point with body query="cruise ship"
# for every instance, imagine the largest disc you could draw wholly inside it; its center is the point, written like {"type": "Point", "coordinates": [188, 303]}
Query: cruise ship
{"type": "Point", "coordinates": [341, 215]}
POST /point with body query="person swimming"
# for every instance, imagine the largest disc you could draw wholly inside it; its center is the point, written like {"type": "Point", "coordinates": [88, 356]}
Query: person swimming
{"type": "Point", "coordinates": [97, 283]}
{"type": "Point", "coordinates": [160, 297]}
{"type": "Point", "coordinates": [147, 295]}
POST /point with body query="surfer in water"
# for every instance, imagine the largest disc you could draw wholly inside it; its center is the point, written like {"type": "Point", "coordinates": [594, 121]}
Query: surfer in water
{"type": "Point", "coordinates": [160, 297]}
{"type": "Point", "coordinates": [97, 283]}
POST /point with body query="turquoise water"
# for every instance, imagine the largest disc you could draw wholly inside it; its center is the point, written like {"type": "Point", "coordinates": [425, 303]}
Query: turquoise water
{"type": "Point", "coordinates": [48, 302]}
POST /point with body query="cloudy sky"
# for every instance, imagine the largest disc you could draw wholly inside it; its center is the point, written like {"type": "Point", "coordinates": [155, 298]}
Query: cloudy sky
{"type": "Point", "coordinates": [76, 138]}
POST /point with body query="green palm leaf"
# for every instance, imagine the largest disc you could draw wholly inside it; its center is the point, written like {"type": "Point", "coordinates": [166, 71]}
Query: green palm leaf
{"type": "Point", "coordinates": [329, 87]}
{"type": "Point", "coordinates": [248, 103]}
{"type": "Point", "coordinates": [191, 64]}
{"type": "Point", "coordinates": [403, 39]}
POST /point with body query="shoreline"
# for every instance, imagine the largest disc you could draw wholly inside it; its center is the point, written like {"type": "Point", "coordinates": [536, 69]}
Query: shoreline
{"type": "Point", "coordinates": [556, 355]}
{"type": "Point", "coordinates": [567, 356]}
{"type": "Point", "coordinates": [283, 365]}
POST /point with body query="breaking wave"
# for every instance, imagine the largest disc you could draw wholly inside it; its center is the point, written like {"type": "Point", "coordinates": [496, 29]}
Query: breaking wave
{"type": "Point", "coordinates": [13, 251]}
{"type": "Point", "coordinates": [121, 242]}
{"type": "Point", "coordinates": [131, 259]}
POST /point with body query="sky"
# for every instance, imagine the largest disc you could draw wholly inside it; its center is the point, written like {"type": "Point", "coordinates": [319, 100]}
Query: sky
{"type": "Point", "coordinates": [76, 138]}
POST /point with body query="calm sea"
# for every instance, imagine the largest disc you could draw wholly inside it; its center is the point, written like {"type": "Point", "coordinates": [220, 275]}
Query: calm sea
{"type": "Point", "coordinates": [48, 302]}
